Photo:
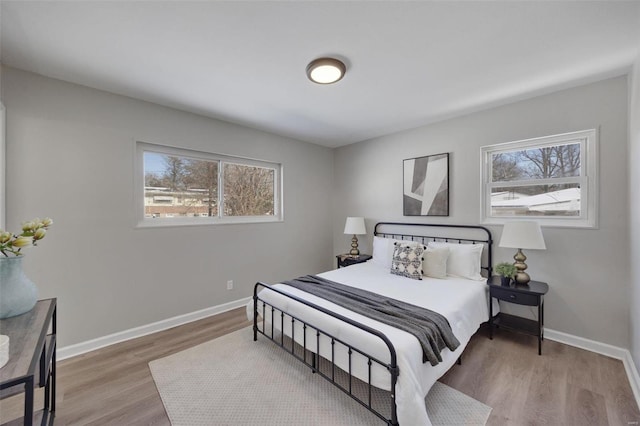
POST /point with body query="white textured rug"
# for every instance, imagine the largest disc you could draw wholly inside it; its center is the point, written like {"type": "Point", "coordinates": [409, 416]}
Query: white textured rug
{"type": "Point", "coordinates": [233, 380]}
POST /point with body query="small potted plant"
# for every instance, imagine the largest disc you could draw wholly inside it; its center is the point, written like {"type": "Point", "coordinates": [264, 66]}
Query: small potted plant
{"type": "Point", "coordinates": [507, 272]}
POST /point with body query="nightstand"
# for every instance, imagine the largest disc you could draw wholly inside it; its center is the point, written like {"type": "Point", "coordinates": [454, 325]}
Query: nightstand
{"type": "Point", "coordinates": [531, 294]}
{"type": "Point", "coordinates": [347, 259]}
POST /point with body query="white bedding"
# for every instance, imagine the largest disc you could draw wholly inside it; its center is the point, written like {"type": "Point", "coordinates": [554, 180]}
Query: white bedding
{"type": "Point", "coordinates": [463, 302]}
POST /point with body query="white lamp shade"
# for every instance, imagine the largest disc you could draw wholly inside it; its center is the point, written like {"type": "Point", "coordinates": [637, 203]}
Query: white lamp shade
{"type": "Point", "coordinates": [355, 226]}
{"type": "Point", "coordinates": [522, 235]}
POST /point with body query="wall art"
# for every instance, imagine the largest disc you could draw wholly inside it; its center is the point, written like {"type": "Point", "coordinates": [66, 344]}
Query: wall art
{"type": "Point", "coordinates": [426, 186]}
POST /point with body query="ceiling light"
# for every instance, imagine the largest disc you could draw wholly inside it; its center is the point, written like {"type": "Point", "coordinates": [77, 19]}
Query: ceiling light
{"type": "Point", "coordinates": [325, 70]}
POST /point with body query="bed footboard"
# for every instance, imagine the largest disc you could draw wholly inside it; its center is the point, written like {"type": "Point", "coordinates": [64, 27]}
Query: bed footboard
{"type": "Point", "coordinates": [264, 312]}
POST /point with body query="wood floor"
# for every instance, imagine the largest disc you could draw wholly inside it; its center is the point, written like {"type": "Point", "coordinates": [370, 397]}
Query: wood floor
{"type": "Point", "coordinates": [564, 386]}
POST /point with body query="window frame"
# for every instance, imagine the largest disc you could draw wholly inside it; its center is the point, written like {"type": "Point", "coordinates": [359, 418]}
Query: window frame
{"type": "Point", "coordinates": [139, 201]}
{"type": "Point", "coordinates": [588, 179]}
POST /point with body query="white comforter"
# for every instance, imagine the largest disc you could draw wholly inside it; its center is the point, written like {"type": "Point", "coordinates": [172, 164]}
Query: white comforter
{"type": "Point", "coordinates": [463, 302]}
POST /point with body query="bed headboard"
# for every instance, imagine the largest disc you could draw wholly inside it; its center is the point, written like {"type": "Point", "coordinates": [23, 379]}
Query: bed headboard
{"type": "Point", "coordinates": [425, 232]}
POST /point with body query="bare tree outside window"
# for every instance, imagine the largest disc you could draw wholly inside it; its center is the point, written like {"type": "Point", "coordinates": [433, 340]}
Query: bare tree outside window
{"type": "Point", "coordinates": [180, 186]}
{"type": "Point", "coordinates": [558, 161]}
{"type": "Point", "coordinates": [505, 167]}
{"type": "Point", "coordinates": [174, 173]}
{"type": "Point", "coordinates": [248, 190]}
{"type": "Point", "coordinates": [203, 175]}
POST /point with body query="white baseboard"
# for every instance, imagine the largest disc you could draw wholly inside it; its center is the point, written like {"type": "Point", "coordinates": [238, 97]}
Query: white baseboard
{"type": "Point", "coordinates": [604, 349]}
{"type": "Point", "coordinates": [121, 336]}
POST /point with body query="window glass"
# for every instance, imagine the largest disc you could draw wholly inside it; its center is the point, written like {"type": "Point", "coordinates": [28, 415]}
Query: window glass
{"type": "Point", "coordinates": [248, 190]}
{"type": "Point", "coordinates": [176, 186]}
{"type": "Point", "coordinates": [187, 187]}
{"type": "Point", "coordinates": [552, 178]}
{"type": "Point", "coordinates": [537, 163]}
{"type": "Point", "coordinates": [536, 200]}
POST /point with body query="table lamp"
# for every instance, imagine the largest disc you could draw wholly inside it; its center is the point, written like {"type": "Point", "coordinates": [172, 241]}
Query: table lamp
{"type": "Point", "coordinates": [522, 235]}
{"type": "Point", "coordinates": [354, 226]}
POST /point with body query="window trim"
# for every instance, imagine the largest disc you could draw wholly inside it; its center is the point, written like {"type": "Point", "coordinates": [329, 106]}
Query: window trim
{"type": "Point", "coordinates": [588, 179]}
{"type": "Point", "coordinates": [139, 189]}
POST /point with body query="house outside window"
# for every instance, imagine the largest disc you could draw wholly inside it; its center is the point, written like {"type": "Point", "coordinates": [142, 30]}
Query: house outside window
{"type": "Point", "coordinates": [551, 179]}
{"type": "Point", "coordinates": [183, 187]}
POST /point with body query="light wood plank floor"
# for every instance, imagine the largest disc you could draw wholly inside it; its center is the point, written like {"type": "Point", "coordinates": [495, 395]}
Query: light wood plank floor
{"type": "Point", "coordinates": [564, 386]}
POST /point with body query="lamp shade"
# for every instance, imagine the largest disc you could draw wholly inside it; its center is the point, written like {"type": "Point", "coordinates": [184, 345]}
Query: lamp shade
{"type": "Point", "coordinates": [522, 235]}
{"type": "Point", "coordinates": [355, 226]}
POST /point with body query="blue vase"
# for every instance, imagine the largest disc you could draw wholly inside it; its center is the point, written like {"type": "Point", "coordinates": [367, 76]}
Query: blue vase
{"type": "Point", "coordinates": [18, 294]}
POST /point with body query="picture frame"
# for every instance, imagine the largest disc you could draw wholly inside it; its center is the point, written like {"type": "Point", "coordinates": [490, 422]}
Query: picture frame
{"type": "Point", "coordinates": [426, 185]}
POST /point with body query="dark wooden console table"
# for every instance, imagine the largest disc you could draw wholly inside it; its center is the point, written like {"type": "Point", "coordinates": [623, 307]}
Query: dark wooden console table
{"type": "Point", "coordinates": [32, 360]}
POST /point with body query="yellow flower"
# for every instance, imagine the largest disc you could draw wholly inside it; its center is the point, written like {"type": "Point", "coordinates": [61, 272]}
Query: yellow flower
{"type": "Point", "coordinates": [28, 226]}
{"type": "Point", "coordinates": [4, 236]}
{"type": "Point", "coordinates": [21, 242]}
{"type": "Point", "coordinates": [32, 232]}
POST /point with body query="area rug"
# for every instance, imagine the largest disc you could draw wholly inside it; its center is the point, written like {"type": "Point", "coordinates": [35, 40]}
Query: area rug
{"type": "Point", "coordinates": [233, 380]}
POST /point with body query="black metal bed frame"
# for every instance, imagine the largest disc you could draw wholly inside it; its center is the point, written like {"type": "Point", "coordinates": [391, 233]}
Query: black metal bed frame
{"type": "Point", "coordinates": [312, 359]}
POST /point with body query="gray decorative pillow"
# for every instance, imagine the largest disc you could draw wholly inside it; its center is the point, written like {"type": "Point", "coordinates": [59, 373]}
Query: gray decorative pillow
{"type": "Point", "coordinates": [407, 260]}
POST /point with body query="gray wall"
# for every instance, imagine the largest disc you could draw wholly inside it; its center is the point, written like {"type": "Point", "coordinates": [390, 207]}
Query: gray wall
{"type": "Point", "coordinates": [70, 156]}
{"type": "Point", "coordinates": [587, 270]}
{"type": "Point", "coordinates": [634, 176]}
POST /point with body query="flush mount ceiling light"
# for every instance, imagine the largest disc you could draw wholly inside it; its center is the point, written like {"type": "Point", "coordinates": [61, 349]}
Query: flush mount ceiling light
{"type": "Point", "coordinates": [325, 70]}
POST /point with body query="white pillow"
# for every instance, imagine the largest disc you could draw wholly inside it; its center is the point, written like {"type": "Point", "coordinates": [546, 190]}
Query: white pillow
{"type": "Point", "coordinates": [464, 259]}
{"type": "Point", "coordinates": [435, 262]}
{"type": "Point", "coordinates": [383, 250]}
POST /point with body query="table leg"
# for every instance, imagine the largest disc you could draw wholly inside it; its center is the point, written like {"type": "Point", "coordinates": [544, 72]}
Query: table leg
{"type": "Point", "coordinates": [490, 316]}
{"type": "Point", "coordinates": [28, 401]}
{"type": "Point", "coordinates": [540, 314]}
{"type": "Point", "coordinates": [53, 361]}
{"type": "Point", "coordinates": [542, 302]}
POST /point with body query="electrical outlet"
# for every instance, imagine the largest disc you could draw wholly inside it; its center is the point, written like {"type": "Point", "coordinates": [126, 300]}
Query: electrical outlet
{"type": "Point", "coordinates": [230, 285]}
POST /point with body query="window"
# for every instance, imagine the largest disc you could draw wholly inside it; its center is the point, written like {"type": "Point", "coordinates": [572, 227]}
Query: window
{"type": "Point", "coordinates": [552, 179]}
{"type": "Point", "coordinates": [183, 187]}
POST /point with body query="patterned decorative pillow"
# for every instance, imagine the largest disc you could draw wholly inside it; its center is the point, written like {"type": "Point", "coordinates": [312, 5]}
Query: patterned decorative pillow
{"type": "Point", "coordinates": [407, 260]}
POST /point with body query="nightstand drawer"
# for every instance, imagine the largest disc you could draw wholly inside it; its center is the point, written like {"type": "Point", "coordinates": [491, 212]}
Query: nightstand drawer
{"type": "Point", "coordinates": [514, 297]}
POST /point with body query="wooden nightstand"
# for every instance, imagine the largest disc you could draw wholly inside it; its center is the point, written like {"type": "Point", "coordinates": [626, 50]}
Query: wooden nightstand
{"type": "Point", "coordinates": [531, 294]}
{"type": "Point", "coordinates": [347, 259]}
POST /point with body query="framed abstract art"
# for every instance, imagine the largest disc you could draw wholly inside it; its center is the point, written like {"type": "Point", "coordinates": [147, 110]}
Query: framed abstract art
{"type": "Point", "coordinates": [426, 186]}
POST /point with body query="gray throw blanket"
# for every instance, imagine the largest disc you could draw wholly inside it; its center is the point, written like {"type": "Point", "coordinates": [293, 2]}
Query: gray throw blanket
{"type": "Point", "coordinates": [430, 328]}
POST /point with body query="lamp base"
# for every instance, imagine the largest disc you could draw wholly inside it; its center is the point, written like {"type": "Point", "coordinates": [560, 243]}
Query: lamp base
{"type": "Point", "coordinates": [521, 276]}
{"type": "Point", "coordinates": [354, 247]}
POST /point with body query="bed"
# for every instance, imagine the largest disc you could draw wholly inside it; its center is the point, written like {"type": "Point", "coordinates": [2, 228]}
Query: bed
{"type": "Point", "coordinates": [361, 355]}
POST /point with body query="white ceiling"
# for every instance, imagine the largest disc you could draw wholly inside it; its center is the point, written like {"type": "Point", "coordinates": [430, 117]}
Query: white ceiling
{"type": "Point", "coordinates": [408, 63]}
